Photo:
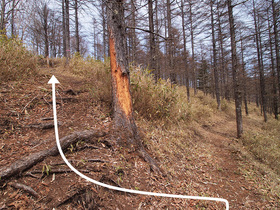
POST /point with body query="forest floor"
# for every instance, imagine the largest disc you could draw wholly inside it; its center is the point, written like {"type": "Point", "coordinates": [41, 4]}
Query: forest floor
{"type": "Point", "coordinates": [200, 159]}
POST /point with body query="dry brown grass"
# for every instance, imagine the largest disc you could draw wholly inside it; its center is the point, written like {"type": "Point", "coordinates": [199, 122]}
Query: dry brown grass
{"type": "Point", "coordinates": [16, 62]}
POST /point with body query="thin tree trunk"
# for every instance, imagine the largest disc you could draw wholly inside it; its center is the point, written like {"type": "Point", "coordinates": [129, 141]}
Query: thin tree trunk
{"type": "Point", "coordinates": [46, 30]}
{"type": "Point", "coordinates": [236, 85]}
{"type": "Point", "coordinates": [133, 35]}
{"type": "Point", "coordinates": [152, 38]}
{"type": "Point", "coordinates": [185, 51]}
{"type": "Point", "coordinates": [63, 29]}
{"type": "Point", "coordinates": [13, 19]}
{"type": "Point", "coordinates": [193, 53]}
{"type": "Point", "coordinates": [67, 30]}
{"type": "Point", "coordinates": [224, 71]}
{"type": "Point", "coordinates": [260, 65]}
{"type": "Point", "coordinates": [274, 85]}
{"type": "Point", "coordinates": [104, 29]}
{"type": "Point", "coordinates": [172, 74]}
{"type": "Point", "coordinates": [77, 36]}
{"type": "Point", "coordinates": [216, 74]}
{"type": "Point", "coordinates": [244, 79]}
{"type": "Point", "coordinates": [276, 43]}
{"type": "Point", "coordinates": [2, 18]}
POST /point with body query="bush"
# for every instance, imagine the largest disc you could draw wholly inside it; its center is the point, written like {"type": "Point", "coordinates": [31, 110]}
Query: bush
{"type": "Point", "coordinates": [97, 76]}
{"type": "Point", "coordinates": [16, 62]}
{"type": "Point", "coordinates": [152, 100]}
{"type": "Point", "coordinates": [265, 144]}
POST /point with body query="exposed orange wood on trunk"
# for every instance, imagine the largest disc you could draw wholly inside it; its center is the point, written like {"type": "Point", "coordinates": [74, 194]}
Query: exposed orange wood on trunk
{"type": "Point", "coordinates": [120, 81]}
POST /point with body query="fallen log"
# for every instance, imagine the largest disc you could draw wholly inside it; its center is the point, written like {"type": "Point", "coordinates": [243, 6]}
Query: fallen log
{"type": "Point", "coordinates": [21, 165]}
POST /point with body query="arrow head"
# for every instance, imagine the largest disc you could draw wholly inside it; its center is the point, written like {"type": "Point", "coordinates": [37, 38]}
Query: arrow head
{"type": "Point", "coordinates": [53, 80]}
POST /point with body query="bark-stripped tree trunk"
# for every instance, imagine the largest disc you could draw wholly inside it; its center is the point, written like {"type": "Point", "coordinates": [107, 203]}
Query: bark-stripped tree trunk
{"type": "Point", "coordinates": [236, 83]}
{"type": "Point", "coordinates": [122, 103]}
{"type": "Point", "coordinates": [185, 51]}
{"type": "Point", "coordinates": [216, 75]}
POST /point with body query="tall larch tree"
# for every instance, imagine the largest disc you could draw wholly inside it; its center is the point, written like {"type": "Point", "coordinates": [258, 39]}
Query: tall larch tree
{"type": "Point", "coordinates": [122, 102]}
{"type": "Point", "coordinates": [235, 73]}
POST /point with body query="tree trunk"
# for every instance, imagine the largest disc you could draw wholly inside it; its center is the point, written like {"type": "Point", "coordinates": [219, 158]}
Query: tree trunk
{"type": "Point", "coordinates": [274, 85]}
{"type": "Point", "coordinates": [122, 102]}
{"type": "Point", "coordinates": [260, 64]}
{"type": "Point", "coordinates": [224, 70]}
{"type": "Point", "coordinates": [63, 29]}
{"type": "Point", "coordinates": [193, 53]}
{"type": "Point", "coordinates": [236, 85]}
{"type": "Point", "coordinates": [276, 43]}
{"type": "Point", "coordinates": [216, 75]}
{"type": "Point", "coordinates": [67, 31]}
{"type": "Point", "coordinates": [77, 37]}
{"type": "Point", "coordinates": [152, 42]}
{"type": "Point", "coordinates": [185, 51]}
{"type": "Point", "coordinates": [46, 29]}
{"type": "Point", "coordinates": [13, 18]}
{"type": "Point", "coordinates": [2, 18]}
{"type": "Point", "coordinates": [103, 7]}
{"type": "Point", "coordinates": [244, 79]}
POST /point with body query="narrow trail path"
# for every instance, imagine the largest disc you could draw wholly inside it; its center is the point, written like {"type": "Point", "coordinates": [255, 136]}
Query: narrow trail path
{"type": "Point", "coordinates": [241, 193]}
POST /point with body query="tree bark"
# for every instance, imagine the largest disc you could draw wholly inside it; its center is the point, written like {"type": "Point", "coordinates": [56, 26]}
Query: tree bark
{"type": "Point", "coordinates": [46, 29]}
{"type": "Point", "coordinates": [63, 29]}
{"type": "Point", "coordinates": [122, 102]}
{"type": "Point", "coordinates": [260, 64]}
{"type": "Point", "coordinates": [273, 73]}
{"type": "Point", "coordinates": [244, 79]}
{"type": "Point", "coordinates": [21, 165]}
{"type": "Point", "coordinates": [236, 83]}
{"type": "Point", "coordinates": [185, 51]}
{"type": "Point", "coordinates": [77, 36]}
{"type": "Point", "coordinates": [67, 31]}
{"type": "Point", "coordinates": [216, 75]}
{"type": "Point", "coordinates": [2, 18]}
{"type": "Point", "coordinates": [276, 42]}
{"type": "Point", "coordinates": [152, 42]}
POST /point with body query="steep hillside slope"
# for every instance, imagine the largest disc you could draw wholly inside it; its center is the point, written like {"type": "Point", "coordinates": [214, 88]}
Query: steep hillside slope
{"type": "Point", "coordinates": [193, 143]}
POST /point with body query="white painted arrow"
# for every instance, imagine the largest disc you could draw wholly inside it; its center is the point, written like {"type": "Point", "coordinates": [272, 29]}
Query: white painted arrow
{"type": "Point", "coordinates": [54, 81]}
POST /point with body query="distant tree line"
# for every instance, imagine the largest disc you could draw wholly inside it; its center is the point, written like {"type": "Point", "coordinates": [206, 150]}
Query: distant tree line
{"type": "Point", "coordinates": [226, 48]}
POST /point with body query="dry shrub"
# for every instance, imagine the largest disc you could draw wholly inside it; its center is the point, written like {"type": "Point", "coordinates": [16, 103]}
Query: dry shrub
{"type": "Point", "coordinates": [16, 62]}
{"type": "Point", "coordinates": [152, 100]}
{"type": "Point", "coordinates": [163, 101]}
{"type": "Point", "coordinates": [265, 144]}
{"type": "Point", "coordinates": [97, 76]}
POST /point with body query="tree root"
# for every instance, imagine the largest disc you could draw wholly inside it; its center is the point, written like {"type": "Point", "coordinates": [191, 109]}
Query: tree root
{"type": "Point", "coordinates": [25, 188]}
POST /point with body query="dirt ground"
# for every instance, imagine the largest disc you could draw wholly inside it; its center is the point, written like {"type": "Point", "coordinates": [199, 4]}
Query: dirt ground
{"type": "Point", "coordinates": [212, 169]}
